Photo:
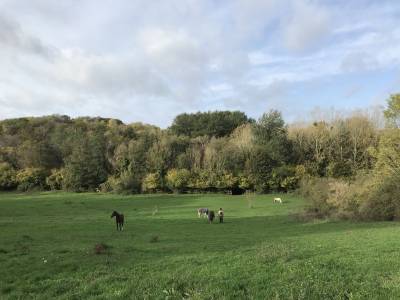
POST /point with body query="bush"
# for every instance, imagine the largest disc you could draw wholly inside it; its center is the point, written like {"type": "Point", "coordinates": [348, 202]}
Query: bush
{"type": "Point", "coordinates": [366, 198]}
{"type": "Point", "coordinates": [245, 182]}
{"type": "Point", "coordinates": [152, 183]}
{"type": "Point", "coordinates": [177, 180]}
{"type": "Point", "coordinates": [106, 187]}
{"type": "Point", "coordinates": [200, 181]}
{"type": "Point", "coordinates": [101, 248]}
{"type": "Point", "coordinates": [227, 181]}
{"type": "Point", "coordinates": [316, 191]}
{"type": "Point", "coordinates": [154, 239]}
{"type": "Point", "coordinates": [8, 178]}
{"type": "Point", "coordinates": [284, 179]}
{"type": "Point", "coordinates": [382, 200]}
{"type": "Point", "coordinates": [330, 197]}
{"type": "Point", "coordinates": [55, 180]}
{"type": "Point", "coordinates": [31, 178]}
{"type": "Point", "coordinates": [127, 182]}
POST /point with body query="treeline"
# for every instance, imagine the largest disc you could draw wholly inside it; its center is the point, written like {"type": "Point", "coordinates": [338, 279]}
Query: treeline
{"type": "Point", "coordinates": [372, 193]}
{"type": "Point", "coordinates": [202, 152]}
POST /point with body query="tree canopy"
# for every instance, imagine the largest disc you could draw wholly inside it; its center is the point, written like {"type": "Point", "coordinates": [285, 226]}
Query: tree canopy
{"type": "Point", "coordinates": [217, 123]}
{"type": "Point", "coordinates": [205, 151]}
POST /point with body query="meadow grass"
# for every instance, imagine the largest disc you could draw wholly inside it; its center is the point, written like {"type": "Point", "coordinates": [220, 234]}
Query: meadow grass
{"type": "Point", "coordinates": [65, 246]}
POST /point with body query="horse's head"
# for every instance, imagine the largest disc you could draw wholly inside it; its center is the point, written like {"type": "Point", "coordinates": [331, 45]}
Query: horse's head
{"type": "Point", "coordinates": [114, 213]}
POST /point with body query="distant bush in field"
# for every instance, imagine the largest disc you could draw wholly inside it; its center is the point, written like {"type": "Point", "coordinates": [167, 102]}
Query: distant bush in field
{"type": "Point", "coordinates": [328, 197]}
{"type": "Point", "coordinates": [154, 239]}
{"type": "Point", "coordinates": [382, 200]}
{"type": "Point", "coordinates": [101, 248]}
{"type": "Point", "coordinates": [366, 198]}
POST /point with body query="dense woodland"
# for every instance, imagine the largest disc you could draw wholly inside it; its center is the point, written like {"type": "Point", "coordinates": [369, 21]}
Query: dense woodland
{"type": "Point", "coordinates": [218, 151]}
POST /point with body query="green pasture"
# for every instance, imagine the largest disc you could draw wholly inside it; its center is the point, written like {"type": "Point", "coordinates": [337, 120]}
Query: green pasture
{"type": "Point", "coordinates": [262, 251]}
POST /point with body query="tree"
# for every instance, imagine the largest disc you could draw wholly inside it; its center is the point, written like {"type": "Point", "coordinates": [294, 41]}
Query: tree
{"type": "Point", "coordinates": [164, 152]}
{"type": "Point", "coordinates": [392, 112]}
{"type": "Point", "coordinates": [270, 125]}
{"type": "Point", "coordinates": [260, 166]}
{"type": "Point", "coordinates": [388, 157]}
{"type": "Point", "coordinates": [217, 124]}
{"type": "Point", "coordinates": [270, 132]}
{"type": "Point", "coordinates": [86, 167]}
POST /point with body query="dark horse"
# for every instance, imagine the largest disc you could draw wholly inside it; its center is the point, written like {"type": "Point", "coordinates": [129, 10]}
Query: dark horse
{"type": "Point", "coordinates": [119, 219]}
{"type": "Point", "coordinates": [211, 216]}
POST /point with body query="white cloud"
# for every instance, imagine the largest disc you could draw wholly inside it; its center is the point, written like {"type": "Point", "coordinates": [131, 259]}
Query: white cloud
{"type": "Point", "coordinates": [13, 38]}
{"type": "Point", "coordinates": [147, 61]}
{"type": "Point", "coordinates": [307, 25]}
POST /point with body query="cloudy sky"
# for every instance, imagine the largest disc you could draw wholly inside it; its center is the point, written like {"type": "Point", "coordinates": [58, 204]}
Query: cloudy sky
{"type": "Point", "coordinates": [150, 60]}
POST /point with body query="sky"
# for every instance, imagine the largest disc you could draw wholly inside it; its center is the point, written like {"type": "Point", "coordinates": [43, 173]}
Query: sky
{"type": "Point", "coordinates": [147, 61]}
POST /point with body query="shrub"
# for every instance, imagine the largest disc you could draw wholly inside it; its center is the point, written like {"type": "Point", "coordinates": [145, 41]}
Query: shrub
{"type": "Point", "coordinates": [284, 178]}
{"type": "Point", "coordinates": [245, 182]}
{"type": "Point", "coordinates": [154, 239]}
{"type": "Point", "coordinates": [151, 183]}
{"type": "Point", "coordinates": [330, 197]}
{"type": "Point", "coordinates": [55, 180]}
{"type": "Point", "coordinates": [340, 169]}
{"type": "Point", "coordinates": [101, 248]}
{"type": "Point", "coordinates": [227, 181]}
{"type": "Point", "coordinates": [106, 187]}
{"type": "Point", "coordinates": [366, 198]}
{"type": "Point", "coordinates": [177, 179]}
{"type": "Point", "coordinates": [126, 182]}
{"type": "Point", "coordinates": [31, 178]}
{"type": "Point", "coordinates": [200, 181]}
{"type": "Point", "coordinates": [8, 178]}
{"type": "Point", "coordinates": [316, 191]}
{"type": "Point", "coordinates": [381, 200]}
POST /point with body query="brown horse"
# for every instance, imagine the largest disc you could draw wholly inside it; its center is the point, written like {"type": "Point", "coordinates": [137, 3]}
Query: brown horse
{"type": "Point", "coordinates": [211, 216]}
{"type": "Point", "coordinates": [119, 219]}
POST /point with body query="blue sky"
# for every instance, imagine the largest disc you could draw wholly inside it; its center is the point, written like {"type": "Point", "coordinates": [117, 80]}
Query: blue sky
{"type": "Point", "coordinates": [151, 60]}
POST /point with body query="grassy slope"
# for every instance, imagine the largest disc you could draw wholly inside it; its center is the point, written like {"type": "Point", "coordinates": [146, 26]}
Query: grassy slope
{"type": "Point", "coordinates": [260, 253]}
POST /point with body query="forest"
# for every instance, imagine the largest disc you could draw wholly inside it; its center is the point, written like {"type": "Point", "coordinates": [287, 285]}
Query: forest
{"type": "Point", "coordinates": [334, 162]}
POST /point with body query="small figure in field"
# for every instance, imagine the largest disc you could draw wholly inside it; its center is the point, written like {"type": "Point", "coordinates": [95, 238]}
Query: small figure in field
{"type": "Point", "coordinates": [119, 219]}
{"type": "Point", "coordinates": [221, 215]}
{"type": "Point", "coordinates": [279, 200]}
{"type": "Point", "coordinates": [211, 216]}
{"type": "Point", "coordinates": [202, 212]}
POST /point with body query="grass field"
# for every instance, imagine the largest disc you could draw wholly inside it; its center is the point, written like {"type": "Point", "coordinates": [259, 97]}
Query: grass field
{"type": "Point", "coordinates": [47, 250]}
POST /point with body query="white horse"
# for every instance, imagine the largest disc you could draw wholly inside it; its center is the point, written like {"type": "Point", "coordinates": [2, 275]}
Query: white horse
{"type": "Point", "coordinates": [202, 212]}
{"type": "Point", "coordinates": [279, 200]}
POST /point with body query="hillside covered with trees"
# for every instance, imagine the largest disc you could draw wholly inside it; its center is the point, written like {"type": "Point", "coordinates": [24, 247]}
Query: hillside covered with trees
{"type": "Point", "coordinates": [211, 151]}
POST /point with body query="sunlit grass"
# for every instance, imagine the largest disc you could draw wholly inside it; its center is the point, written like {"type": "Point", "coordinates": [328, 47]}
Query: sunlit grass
{"type": "Point", "coordinates": [64, 245]}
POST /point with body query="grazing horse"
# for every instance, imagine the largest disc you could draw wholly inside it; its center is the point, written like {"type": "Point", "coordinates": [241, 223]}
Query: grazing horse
{"type": "Point", "coordinates": [279, 200]}
{"type": "Point", "coordinates": [119, 219]}
{"type": "Point", "coordinates": [202, 212]}
{"type": "Point", "coordinates": [211, 216]}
